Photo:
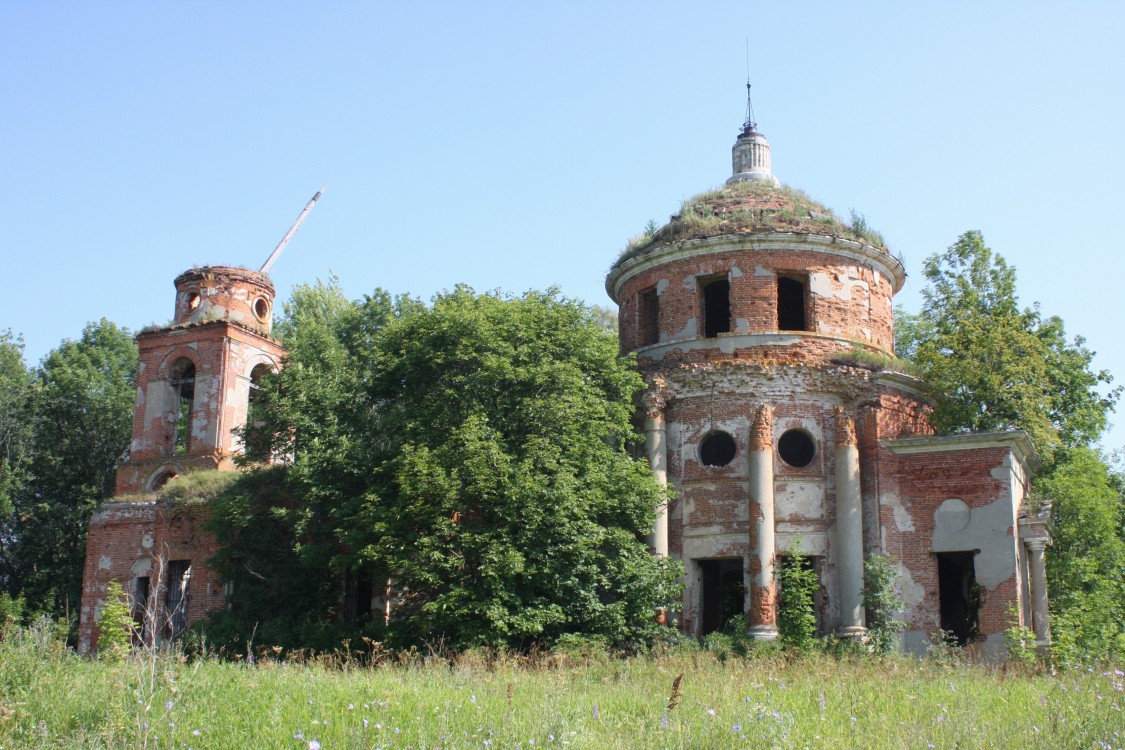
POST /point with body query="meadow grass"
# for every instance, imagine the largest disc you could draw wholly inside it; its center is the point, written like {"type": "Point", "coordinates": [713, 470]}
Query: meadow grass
{"type": "Point", "coordinates": [52, 698]}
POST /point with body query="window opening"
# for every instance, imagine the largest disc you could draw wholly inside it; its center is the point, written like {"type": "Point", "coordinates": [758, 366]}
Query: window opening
{"type": "Point", "coordinates": [814, 563]}
{"type": "Point", "coordinates": [648, 318]}
{"type": "Point", "coordinates": [796, 448]}
{"type": "Point", "coordinates": [261, 308]}
{"type": "Point", "coordinates": [255, 443]}
{"type": "Point", "coordinates": [140, 599]}
{"type": "Point", "coordinates": [790, 304]}
{"type": "Point", "coordinates": [359, 596]}
{"type": "Point", "coordinates": [724, 595]}
{"type": "Point", "coordinates": [716, 308]}
{"type": "Point", "coordinates": [959, 595]}
{"type": "Point", "coordinates": [183, 383]}
{"type": "Point", "coordinates": [717, 449]}
{"type": "Point", "coordinates": [176, 597]}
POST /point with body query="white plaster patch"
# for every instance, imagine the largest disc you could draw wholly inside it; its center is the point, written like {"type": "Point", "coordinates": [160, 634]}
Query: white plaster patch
{"type": "Point", "coordinates": [690, 283]}
{"type": "Point", "coordinates": [741, 325]}
{"type": "Point", "coordinates": [762, 271]}
{"type": "Point", "coordinates": [866, 333]}
{"type": "Point", "coordinates": [988, 530]}
{"type": "Point", "coordinates": [735, 272]}
{"type": "Point", "coordinates": [104, 563]}
{"type": "Point", "coordinates": [910, 592]}
{"type": "Point", "coordinates": [799, 500]}
{"type": "Point", "coordinates": [662, 285]}
{"type": "Point", "coordinates": [825, 285]}
{"type": "Point", "coordinates": [813, 543]}
{"type": "Point", "coordinates": [903, 520]}
{"type": "Point", "coordinates": [690, 331]}
{"type": "Point", "coordinates": [147, 541]}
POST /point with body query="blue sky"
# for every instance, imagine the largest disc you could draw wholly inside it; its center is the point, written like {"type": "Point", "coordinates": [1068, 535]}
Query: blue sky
{"type": "Point", "coordinates": [519, 145]}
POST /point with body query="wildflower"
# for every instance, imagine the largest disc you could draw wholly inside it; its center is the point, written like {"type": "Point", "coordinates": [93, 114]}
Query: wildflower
{"type": "Point", "coordinates": [822, 701]}
{"type": "Point", "coordinates": [299, 735]}
{"type": "Point", "coordinates": [365, 723]}
{"type": "Point", "coordinates": [711, 711]}
{"type": "Point", "coordinates": [195, 733]}
{"type": "Point", "coordinates": [664, 721]}
{"type": "Point", "coordinates": [736, 728]}
{"type": "Point", "coordinates": [472, 699]}
{"type": "Point", "coordinates": [351, 706]}
{"type": "Point", "coordinates": [169, 705]}
{"type": "Point", "coordinates": [314, 745]}
{"type": "Point", "coordinates": [595, 710]}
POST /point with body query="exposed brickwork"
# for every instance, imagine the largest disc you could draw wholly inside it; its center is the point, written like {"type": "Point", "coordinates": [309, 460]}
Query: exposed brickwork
{"type": "Point", "coordinates": [221, 326]}
{"type": "Point", "coordinates": [723, 382]}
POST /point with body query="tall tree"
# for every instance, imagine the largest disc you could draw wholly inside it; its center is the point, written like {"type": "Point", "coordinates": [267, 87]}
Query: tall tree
{"type": "Point", "coordinates": [999, 367]}
{"type": "Point", "coordinates": [996, 366]}
{"type": "Point", "coordinates": [83, 399]}
{"type": "Point", "coordinates": [475, 452]}
{"type": "Point", "coordinates": [1086, 565]}
{"type": "Point", "coordinates": [15, 441]}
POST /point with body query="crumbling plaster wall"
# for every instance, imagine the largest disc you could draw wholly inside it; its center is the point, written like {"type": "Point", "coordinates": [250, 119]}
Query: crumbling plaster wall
{"type": "Point", "coordinates": [712, 514]}
{"type": "Point", "coordinates": [847, 300]}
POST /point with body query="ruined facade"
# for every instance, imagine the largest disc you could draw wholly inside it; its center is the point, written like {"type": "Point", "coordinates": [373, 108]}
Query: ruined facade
{"type": "Point", "coordinates": [777, 413]}
{"type": "Point", "coordinates": [194, 389]}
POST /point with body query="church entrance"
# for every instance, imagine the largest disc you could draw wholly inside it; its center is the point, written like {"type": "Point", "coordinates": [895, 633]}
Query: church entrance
{"type": "Point", "coordinates": [959, 595]}
{"type": "Point", "coordinates": [724, 595]}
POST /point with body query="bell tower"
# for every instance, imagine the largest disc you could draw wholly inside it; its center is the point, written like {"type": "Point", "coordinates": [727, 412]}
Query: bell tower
{"type": "Point", "coordinates": [197, 376]}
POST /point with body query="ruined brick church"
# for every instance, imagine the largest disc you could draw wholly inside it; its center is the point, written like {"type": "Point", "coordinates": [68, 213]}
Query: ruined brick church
{"type": "Point", "coordinates": [774, 410]}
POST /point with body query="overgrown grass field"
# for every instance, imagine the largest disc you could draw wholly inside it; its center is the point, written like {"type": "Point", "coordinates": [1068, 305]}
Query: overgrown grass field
{"type": "Point", "coordinates": [52, 698]}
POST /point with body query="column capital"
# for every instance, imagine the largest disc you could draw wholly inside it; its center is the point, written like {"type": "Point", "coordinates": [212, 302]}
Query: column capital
{"type": "Point", "coordinates": [761, 434]}
{"type": "Point", "coordinates": [845, 427]}
{"type": "Point", "coordinates": [655, 398]}
{"type": "Point", "coordinates": [1036, 543]}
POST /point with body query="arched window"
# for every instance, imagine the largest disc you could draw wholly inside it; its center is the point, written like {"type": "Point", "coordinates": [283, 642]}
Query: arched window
{"type": "Point", "coordinates": [182, 380]}
{"type": "Point", "coordinates": [256, 444]}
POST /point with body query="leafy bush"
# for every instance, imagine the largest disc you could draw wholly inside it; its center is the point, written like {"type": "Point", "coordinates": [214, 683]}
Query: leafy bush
{"type": "Point", "coordinates": [796, 617]}
{"type": "Point", "coordinates": [115, 627]}
{"type": "Point", "coordinates": [882, 603]}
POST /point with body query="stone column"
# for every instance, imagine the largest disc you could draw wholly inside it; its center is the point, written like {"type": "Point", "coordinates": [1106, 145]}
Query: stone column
{"type": "Point", "coordinates": [763, 587]}
{"type": "Point", "coordinates": [1040, 611]}
{"type": "Point", "coordinates": [656, 448]}
{"type": "Point", "coordinates": [849, 528]}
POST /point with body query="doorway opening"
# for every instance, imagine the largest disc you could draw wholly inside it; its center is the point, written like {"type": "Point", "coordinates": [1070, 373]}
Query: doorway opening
{"type": "Point", "coordinates": [724, 595]}
{"type": "Point", "coordinates": [959, 595]}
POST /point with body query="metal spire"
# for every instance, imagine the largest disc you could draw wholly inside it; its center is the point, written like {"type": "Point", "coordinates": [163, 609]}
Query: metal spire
{"type": "Point", "coordinates": [749, 125]}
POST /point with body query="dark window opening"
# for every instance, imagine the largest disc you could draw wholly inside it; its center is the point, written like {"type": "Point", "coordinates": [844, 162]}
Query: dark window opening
{"type": "Point", "coordinates": [790, 304]}
{"type": "Point", "coordinates": [814, 563]}
{"type": "Point", "coordinates": [176, 597]}
{"type": "Point", "coordinates": [648, 318]}
{"type": "Point", "coordinates": [140, 599]}
{"type": "Point", "coordinates": [256, 443]}
{"type": "Point", "coordinates": [959, 595]}
{"type": "Point", "coordinates": [183, 383]}
{"type": "Point", "coordinates": [796, 448]}
{"type": "Point", "coordinates": [163, 479]}
{"type": "Point", "coordinates": [724, 596]}
{"type": "Point", "coordinates": [716, 308]}
{"type": "Point", "coordinates": [359, 596]}
{"type": "Point", "coordinates": [717, 449]}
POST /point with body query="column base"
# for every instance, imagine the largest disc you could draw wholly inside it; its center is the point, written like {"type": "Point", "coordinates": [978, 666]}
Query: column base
{"type": "Point", "coordinates": [764, 632]}
{"type": "Point", "coordinates": [853, 632]}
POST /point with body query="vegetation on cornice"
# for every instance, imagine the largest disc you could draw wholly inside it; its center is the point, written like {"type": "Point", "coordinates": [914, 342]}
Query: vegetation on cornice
{"type": "Point", "coordinates": [747, 207]}
{"type": "Point", "coordinates": [876, 362]}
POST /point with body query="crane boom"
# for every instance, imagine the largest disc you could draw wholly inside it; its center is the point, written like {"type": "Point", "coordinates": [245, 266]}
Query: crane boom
{"type": "Point", "coordinates": [292, 230]}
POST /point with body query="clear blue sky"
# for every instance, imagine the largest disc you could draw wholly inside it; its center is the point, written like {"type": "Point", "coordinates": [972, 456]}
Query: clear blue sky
{"type": "Point", "coordinates": [518, 145]}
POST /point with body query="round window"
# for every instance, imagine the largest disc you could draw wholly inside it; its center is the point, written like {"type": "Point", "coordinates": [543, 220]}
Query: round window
{"type": "Point", "coordinates": [796, 448]}
{"type": "Point", "coordinates": [717, 449]}
{"type": "Point", "coordinates": [261, 308]}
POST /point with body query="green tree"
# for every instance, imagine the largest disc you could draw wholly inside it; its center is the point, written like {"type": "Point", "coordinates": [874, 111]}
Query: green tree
{"type": "Point", "coordinates": [15, 423]}
{"type": "Point", "coordinates": [883, 606]}
{"type": "Point", "coordinates": [473, 450]}
{"type": "Point", "coordinates": [1086, 565]}
{"type": "Point", "coordinates": [996, 366]}
{"type": "Point", "coordinates": [82, 405]}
